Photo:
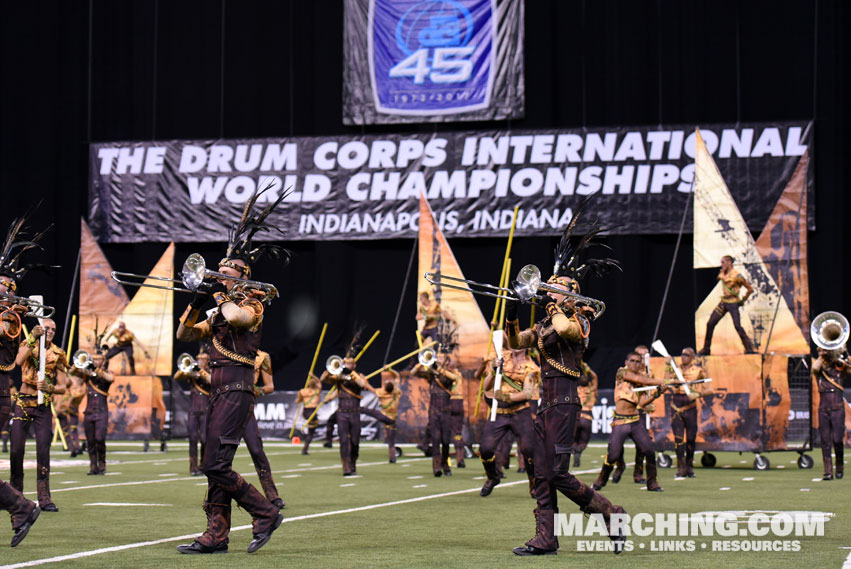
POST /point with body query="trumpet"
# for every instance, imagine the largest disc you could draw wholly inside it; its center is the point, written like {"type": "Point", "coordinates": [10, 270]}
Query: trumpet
{"type": "Point", "coordinates": [427, 357]}
{"type": "Point", "coordinates": [186, 363]}
{"type": "Point", "coordinates": [34, 308]}
{"type": "Point", "coordinates": [527, 288]}
{"type": "Point", "coordinates": [195, 275]}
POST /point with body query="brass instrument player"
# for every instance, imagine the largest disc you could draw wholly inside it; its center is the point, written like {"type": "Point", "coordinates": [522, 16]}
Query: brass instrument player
{"type": "Point", "coordinates": [198, 376]}
{"type": "Point", "coordinates": [827, 372]}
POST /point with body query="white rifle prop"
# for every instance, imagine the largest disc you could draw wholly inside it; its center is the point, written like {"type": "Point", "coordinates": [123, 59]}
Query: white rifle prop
{"type": "Point", "coordinates": [497, 382]}
{"type": "Point", "coordinates": [660, 347]}
{"type": "Point", "coordinates": [41, 355]}
{"type": "Point", "coordinates": [687, 383]}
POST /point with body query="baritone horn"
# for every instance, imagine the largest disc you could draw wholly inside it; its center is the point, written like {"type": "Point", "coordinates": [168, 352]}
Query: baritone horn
{"type": "Point", "coordinates": [195, 275]}
{"type": "Point", "coordinates": [186, 363]}
{"type": "Point", "coordinates": [830, 331]}
{"type": "Point", "coordinates": [526, 288]}
{"type": "Point", "coordinates": [334, 365]}
{"type": "Point", "coordinates": [82, 359]}
{"type": "Point", "coordinates": [427, 357]}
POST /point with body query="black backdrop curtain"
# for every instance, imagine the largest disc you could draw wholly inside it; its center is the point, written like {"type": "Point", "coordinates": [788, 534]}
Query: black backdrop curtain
{"type": "Point", "coordinates": [97, 70]}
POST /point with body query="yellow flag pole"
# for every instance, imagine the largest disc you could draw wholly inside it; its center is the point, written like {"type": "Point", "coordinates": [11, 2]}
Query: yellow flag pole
{"type": "Point", "coordinates": [71, 334]}
{"type": "Point", "coordinates": [419, 339]}
{"type": "Point", "coordinates": [371, 340]}
{"type": "Point", "coordinates": [309, 373]}
{"type": "Point", "coordinates": [58, 428]}
{"type": "Point", "coordinates": [503, 284]}
{"type": "Point", "coordinates": [394, 362]}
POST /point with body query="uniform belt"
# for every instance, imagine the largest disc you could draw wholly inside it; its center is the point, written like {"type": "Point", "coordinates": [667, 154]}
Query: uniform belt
{"type": "Point", "coordinates": [511, 410]}
{"type": "Point", "coordinates": [623, 419]}
{"type": "Point", "coordinates": [676, 409]}
{"type": "Point", "coordinates": [545, 404]}
{"type": "Point", "coordinates": [6, 368]}
{"type": "Point", "coordinates": [27, 401]}
{"type": "Point", "coordinates": [835, 407]}
{"type": "Point", "coordinates": [234, 386]}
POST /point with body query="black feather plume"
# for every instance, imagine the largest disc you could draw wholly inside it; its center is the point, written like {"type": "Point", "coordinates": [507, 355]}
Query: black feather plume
{"type": "Point", "coordinates": [570, 247]}
{"type": "Point", "coordinates": [240, 236]}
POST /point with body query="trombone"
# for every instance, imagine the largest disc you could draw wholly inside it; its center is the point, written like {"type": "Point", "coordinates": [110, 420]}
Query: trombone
{"type": "Point", "coordinates": [196, 275]}
{"type": "Point", "coordinates": [186, 363]}
{"type": "Point", "coordinates": [527, 288]}
{"type": "Point", "coordinates": [34, 308]}
{"type": "Point", "coordinates": [427, 356]}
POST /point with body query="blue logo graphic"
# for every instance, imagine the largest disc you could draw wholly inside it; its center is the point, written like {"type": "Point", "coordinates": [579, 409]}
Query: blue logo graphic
{"type": "Point", "coordinates": [431, 57]}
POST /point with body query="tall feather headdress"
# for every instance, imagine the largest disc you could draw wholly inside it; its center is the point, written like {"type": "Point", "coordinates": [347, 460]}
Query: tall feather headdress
{"type": "Point", "coordinates": [18, 242]}
{"type": "Point", "coordinates": [570, 247]}
{"type": "Point", "coordinates": [241, 235]}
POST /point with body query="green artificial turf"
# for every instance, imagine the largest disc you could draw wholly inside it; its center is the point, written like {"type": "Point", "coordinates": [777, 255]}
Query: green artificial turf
{"type": "Point", "coordinates": [456, 530]}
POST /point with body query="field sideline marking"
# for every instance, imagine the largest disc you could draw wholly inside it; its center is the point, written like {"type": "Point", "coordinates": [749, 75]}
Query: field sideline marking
{"type": "Point", "coordinates": [161, 480]}
{"type": "Point", "coordinates": [847, 564]}
{"type": "Point", "coordinates": [240, 528]}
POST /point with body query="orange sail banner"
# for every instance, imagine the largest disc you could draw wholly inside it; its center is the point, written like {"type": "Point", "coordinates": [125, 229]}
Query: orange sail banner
{"type": "Point", "coordinates": [149, 315]}
{"type": "Point", "coordinates": [462, 319]}
{"type": "Point", "coordinates": [719, 229]}
{"type": "Point", "coordinates": [783, 245]}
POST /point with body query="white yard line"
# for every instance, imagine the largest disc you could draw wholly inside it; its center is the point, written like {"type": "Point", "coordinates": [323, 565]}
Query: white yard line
{"type": "Point", "coordinates": [113, 549]}
{"type": "Point", "coordinates": [847, 564]}
{"type": "Point", "coordinates": [195, 478]}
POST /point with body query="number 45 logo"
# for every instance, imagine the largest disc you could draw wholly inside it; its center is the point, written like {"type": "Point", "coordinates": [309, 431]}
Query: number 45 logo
{"type": "Point", "coordinates": [448, 65]}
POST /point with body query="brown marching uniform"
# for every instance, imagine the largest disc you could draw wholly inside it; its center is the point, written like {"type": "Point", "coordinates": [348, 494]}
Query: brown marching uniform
{"type": "Point", "coordinates": [431, 316]}
{"type": "Point", "coordinates": [456, 412]}
{"type": "Point", "coordinates": [309, 396]}
{"type": "Point", "coordinates": [514, 417]}
{"type": "Point", "coordinates": [232, 357]}
{"type": "Point", "coordinates": [628, 425]}
{"type": "Point", "coordinates": [588, 397]}
{"type": "Point", "coordinates": [199, 401]}
{"type": "Point", "coordinates": [348, 417]}
{"type": "Point", "coordinates": [252, 437]}
{"type": "Point", "coordinates": [555, 423]}
{"type": "Point", "coordinates": [831, 416]}
{"type": "Point", "coordinates": [684, 416]}
{"type": "Point", "coordinates": [68, 411]}
{"type": "Point", "coordinates": [388, 403]}
{"type": "Point", "coordinates": [29, 413]}
{"type": "Point", "coordinates": [731, 283]}
{"type": "Point", "coordinates": [439, 413]}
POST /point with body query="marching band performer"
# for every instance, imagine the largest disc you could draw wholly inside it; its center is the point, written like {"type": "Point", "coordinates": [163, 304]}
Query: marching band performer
{"type": "Point", "coordinates": [388, 396]}
{"type": "Point", "coordinates": [684, 410]}
{"type": "Point", "coordinates": [456, 419]}
{"type": "Point", "coordinates": [23, 512]}
{"type": "Point", "coordinates": [235, 329]}
{"type": "Point", "coordinates": [442, 376]}
{"type": "Point", "coordinates": [124, 340]}
{"type": "Point", "coordinates": [428, 311]}
{"type": "Point", "coordinates": [68, 411]}
{"type": "Point", "coordinates": [521, 378]}
{"type": "Point", "coordinates": [561, 337]}
{"type": "Point", "coordinates": [29, 412]}
{"type": "Point", "coordinates": [731, 283]}
{"type": "Point", "coordinates": [253, 441]}
{"type": "Point", "coordinates": [309, 398]}
{"type": "Point", "coordinates": [584, 423]}
{"type": "Point", "coordinates": [350, 384]}
{"type": "Point", "coordinates": [199, 401]}
{"type": "Point", "coordinates": [827, 371]}
{"type": "Point", "coordinates": [96, 416]}
{"type": "Point", "coordinates": [627, 420]}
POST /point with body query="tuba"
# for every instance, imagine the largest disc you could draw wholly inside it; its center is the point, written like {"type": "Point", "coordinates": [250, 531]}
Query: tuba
{"type": "Point", "coordinates": [427, 357]}
{"type": "Point", "coordinates": [830, 331]}
{"type": "Point", "coordinates": [186, 363]}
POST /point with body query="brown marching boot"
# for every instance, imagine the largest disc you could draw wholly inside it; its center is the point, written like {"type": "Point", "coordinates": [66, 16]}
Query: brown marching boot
{"type": "Point", "coordinates": [652, 482]}
{"type": "Point", "coordinates": [545, 541]}
{"type": "Point", "coordinates": [492, 474]}
{"type": "Point", "coordinates": [828, 468]}
{"type": "Point", "coordinates": [43, 492]}
{"type": "Point", "coordinates": [599, 504]}
{"type": "Point", "coordinates": [215, 537]}
{"type": "Point", "coordinates": [638, 471]}
{"type": "Point", "coordinates": [840, 460]}
{"type": "Point", "coordinates": [193, 466]}
{"type": "Point", "coordinates": [682, 470]}
{"type": "Point", "coordinates": [266, 518]}
{"type": "Point", "coordinates": [269, 488]}
{"type": "Point", "coordinates": [101, 448]}
{"type": "Point", "coordinates": [604, 475]}
{"type": "Point", "coordinates": [690, 460]}
{"type": "Point", "coordinates": [22, 512]}
{"type": "Point", "coordinates": [620, 466]}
